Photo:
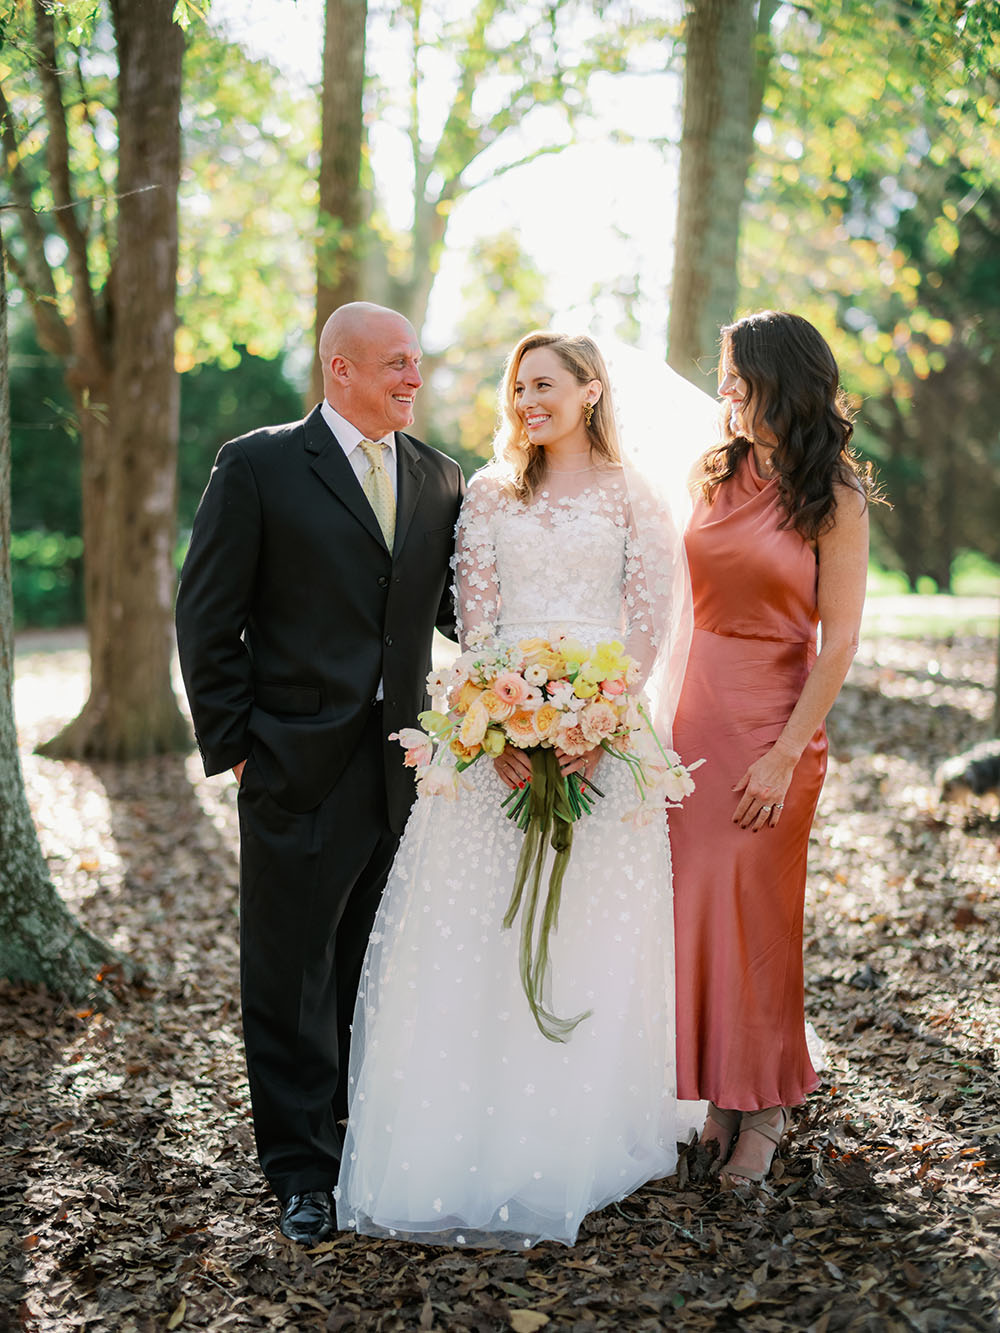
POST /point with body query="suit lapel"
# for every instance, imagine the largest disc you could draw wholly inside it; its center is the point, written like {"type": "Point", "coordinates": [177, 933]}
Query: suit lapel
{"type": "Point", "coordinates": [409, 484]}
{"type": "Point", "coordinates": [330, 464]}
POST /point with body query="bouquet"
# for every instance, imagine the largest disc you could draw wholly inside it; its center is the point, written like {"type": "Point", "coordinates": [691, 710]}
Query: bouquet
{"type": "Point", "coordinates": [543, 696]}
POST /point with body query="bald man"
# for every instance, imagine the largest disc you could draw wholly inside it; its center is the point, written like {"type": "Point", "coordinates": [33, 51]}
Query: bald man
{"type": "Point", "coordinates": [317, 570]}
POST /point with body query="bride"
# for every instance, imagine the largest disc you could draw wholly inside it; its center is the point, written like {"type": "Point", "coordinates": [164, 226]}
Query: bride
{"type": "Point", "coordinates": [467, 1126]}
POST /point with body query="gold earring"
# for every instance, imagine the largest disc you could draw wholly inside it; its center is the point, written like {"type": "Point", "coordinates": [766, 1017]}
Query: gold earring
{"type": "Point", "coordinates": [588, 414]}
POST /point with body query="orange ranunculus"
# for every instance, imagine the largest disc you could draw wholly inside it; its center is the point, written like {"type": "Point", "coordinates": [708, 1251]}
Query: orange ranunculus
{"type": "Point", "coordinates": [521, 730]}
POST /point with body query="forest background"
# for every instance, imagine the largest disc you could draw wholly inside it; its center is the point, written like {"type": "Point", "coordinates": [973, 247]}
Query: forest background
{"type": "Point", "coordinates": [516, 166]}
{"type": "Point", "coordinates": [187, 191]}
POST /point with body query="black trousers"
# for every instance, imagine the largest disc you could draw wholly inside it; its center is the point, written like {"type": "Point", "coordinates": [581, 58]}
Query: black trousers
{"type": "Point", "coordinates": [310, 885]}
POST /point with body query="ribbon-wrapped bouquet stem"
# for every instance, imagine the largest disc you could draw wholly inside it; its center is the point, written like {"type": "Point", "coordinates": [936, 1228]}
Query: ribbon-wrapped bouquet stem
{"type": "Point", "coordinates": [546, 697]}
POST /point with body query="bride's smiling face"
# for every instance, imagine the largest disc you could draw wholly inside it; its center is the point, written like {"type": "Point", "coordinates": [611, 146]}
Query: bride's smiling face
{"type": "Point", "coordinates": [549, 400]}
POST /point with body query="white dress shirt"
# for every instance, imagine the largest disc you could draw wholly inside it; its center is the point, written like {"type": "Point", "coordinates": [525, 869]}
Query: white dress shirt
{"type": "Point", "coordinates": [349, 437]}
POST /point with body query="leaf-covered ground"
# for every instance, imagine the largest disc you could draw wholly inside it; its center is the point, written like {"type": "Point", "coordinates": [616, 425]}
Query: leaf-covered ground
{"type": "Point", "coordinates": [129, 1194]}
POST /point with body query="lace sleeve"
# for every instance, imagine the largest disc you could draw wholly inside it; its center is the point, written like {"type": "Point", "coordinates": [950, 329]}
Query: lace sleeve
{"type": "Point", "coordinates": [657, 599]}
{"type": "Point", "coordinates": [477, 587]}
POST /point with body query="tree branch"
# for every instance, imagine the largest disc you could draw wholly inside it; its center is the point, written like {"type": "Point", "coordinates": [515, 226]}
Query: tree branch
{"type": "Point", "coordinates": [57, 155]}
{"type": "Point", "coordinates": [34, 276]}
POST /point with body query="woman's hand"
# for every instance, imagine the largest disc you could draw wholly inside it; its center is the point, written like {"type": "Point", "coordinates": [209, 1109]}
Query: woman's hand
{"type": "Point", "coordinates": [513, 767]}
{"type": "Point", "coordinates": [578, 763]}
{"type": "Point", "coordinates": [764, 785]}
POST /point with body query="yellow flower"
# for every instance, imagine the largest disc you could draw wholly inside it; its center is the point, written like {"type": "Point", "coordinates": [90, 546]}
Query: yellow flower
{"type": "Point", "coordinates": [494, 742]}
{"type": "Point", "coordinates": [609, 658]}
{"type": "Point", "coordinates": [468, 695]}
{"type": "Point", "coordinates": [474, 725]}
{"type": "Point", "coordinates": [583, 688]}
{"type": "Point", "coordinates": [573, 651]}
{"type": "Point", "coordinates": [546, 720]}
{"type": "Point", "coordinates": [553, 662]}
{"type": "Point", "coordinates": [530, 648]}
{"type": "Point", "coordinates": [468, 752]}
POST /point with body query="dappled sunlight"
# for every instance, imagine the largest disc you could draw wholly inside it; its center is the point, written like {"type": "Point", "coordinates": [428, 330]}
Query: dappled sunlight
{"type": "Point", "coordinates": [128, 1132]}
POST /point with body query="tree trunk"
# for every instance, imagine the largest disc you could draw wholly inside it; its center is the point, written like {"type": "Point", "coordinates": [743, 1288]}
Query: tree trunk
{"type": "Point", "coordinates": [40, 941]}
{"type": "Point", "coordinates": [724, 77]}
{"type": "Point", "coordinates": [130, 455]}
{"type": "Point", "coordinates": [339, 256]}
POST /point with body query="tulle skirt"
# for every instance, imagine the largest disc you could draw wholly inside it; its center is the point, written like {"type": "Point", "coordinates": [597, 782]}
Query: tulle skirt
{"type": "Point", "coordinates": [467, 1126]}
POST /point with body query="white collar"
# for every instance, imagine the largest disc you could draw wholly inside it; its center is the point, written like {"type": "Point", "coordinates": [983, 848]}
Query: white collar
{"type": "Point", "coordinates": [348, 435]}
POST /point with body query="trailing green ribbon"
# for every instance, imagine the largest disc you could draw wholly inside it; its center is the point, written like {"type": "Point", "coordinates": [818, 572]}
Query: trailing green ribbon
{"type": "Point", "coordinates": [545, 810]}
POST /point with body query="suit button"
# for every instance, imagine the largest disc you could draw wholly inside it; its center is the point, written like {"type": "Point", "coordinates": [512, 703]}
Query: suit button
{"type": "Point", "coordinates": [383, 582]}
{"type": "Point", "coordinates": [388, 640]}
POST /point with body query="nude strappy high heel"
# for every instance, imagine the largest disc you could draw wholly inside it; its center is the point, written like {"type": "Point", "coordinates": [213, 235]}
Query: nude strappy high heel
{"type": "Point", "coordinates": [760, 1121]}
{"type": "Point", "coordinates": [729, 1123]}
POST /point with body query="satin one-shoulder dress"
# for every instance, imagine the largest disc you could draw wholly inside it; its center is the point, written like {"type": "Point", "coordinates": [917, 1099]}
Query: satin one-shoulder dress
{"type": "Point", "coordinates": [738, 896]}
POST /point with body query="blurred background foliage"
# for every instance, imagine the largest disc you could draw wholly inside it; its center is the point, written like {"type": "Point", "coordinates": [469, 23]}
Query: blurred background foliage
{"type": "Point", "coordinates": [873, 208]}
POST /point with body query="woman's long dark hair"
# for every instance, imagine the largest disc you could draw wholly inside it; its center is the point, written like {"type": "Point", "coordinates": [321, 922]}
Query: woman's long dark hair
{"type": "Point", "coordinates": [794, 385]}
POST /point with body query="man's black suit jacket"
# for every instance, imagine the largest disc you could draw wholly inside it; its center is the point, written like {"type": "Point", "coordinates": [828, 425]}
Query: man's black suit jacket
{"type": "Point", "coordinates": [291, 607]}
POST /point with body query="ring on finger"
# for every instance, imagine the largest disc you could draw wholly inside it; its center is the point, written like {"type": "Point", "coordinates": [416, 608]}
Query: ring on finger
{"type": "Point", "coordinates": [766, 809]}
{"type": "Point", "coordinates": [780, 805]}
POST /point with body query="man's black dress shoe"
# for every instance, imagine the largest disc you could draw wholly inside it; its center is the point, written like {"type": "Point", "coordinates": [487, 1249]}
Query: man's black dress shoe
{"type": "Point", "coordinates": [308, 1218]}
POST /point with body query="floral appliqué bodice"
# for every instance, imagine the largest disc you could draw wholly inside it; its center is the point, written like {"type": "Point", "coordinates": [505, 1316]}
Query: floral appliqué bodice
{"type": "Point", "coordinates": [569, 561]}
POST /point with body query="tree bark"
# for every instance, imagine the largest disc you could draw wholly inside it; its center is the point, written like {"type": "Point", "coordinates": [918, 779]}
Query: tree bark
{"type": "Point", "coordinates": [40, 940]}
{"type": "Point", "coordinates": [339, 254]}
{"type": "Point", "coordinates": [130, 451]}
{"type": "Point", "coordinates": [725, 72]}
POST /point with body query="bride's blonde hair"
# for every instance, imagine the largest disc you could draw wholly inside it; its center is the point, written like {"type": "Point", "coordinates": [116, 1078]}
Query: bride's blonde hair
{"type": "Point", "coordinates": [524, 462]}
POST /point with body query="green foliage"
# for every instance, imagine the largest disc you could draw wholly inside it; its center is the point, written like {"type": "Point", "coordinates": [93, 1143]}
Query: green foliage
{"type": "Point", "coordinates": [45, 448]}
{"type": "Point", "coordinates": [248, 192]}
{"type": "Point", "coordinates": [475, 77]}
{"type": "Point", "coordinates": [47, 579]}
{"type": "Point", "coordinates": [248, 200]}
{"type": "Point", "coordinates": [972, 575]}
{"type": "Point", "coordinates": [874, 210]}
{"type": "Point", "coordinates": [506, 299]}
{"type": "Point", "coordinates": [219, 403]}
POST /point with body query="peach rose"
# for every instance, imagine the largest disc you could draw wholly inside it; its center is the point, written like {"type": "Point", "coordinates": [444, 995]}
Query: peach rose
{"type": "Point", "coordinates": [511, 688]}
{"type": "Point", "coordinates": [498, 709]}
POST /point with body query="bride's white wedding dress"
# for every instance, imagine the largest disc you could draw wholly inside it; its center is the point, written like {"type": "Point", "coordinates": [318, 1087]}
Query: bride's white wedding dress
{"type": "Point", "coordinates": [467, 1126]}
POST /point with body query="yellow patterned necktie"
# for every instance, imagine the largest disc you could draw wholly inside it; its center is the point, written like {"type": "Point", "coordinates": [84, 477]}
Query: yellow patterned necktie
{"type": "Point", "coordinates": [378, 488]}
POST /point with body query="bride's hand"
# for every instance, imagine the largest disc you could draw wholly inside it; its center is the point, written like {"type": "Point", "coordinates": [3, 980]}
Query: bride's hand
{"type": "Point", "coordinates": [578, 763]}
{"type": "Point", "coordinates": [513, 767]}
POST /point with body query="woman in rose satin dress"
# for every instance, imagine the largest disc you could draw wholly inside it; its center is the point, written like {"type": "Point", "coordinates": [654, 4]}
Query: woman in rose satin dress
{"type": "Point", "coordinates": [777, 543]}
